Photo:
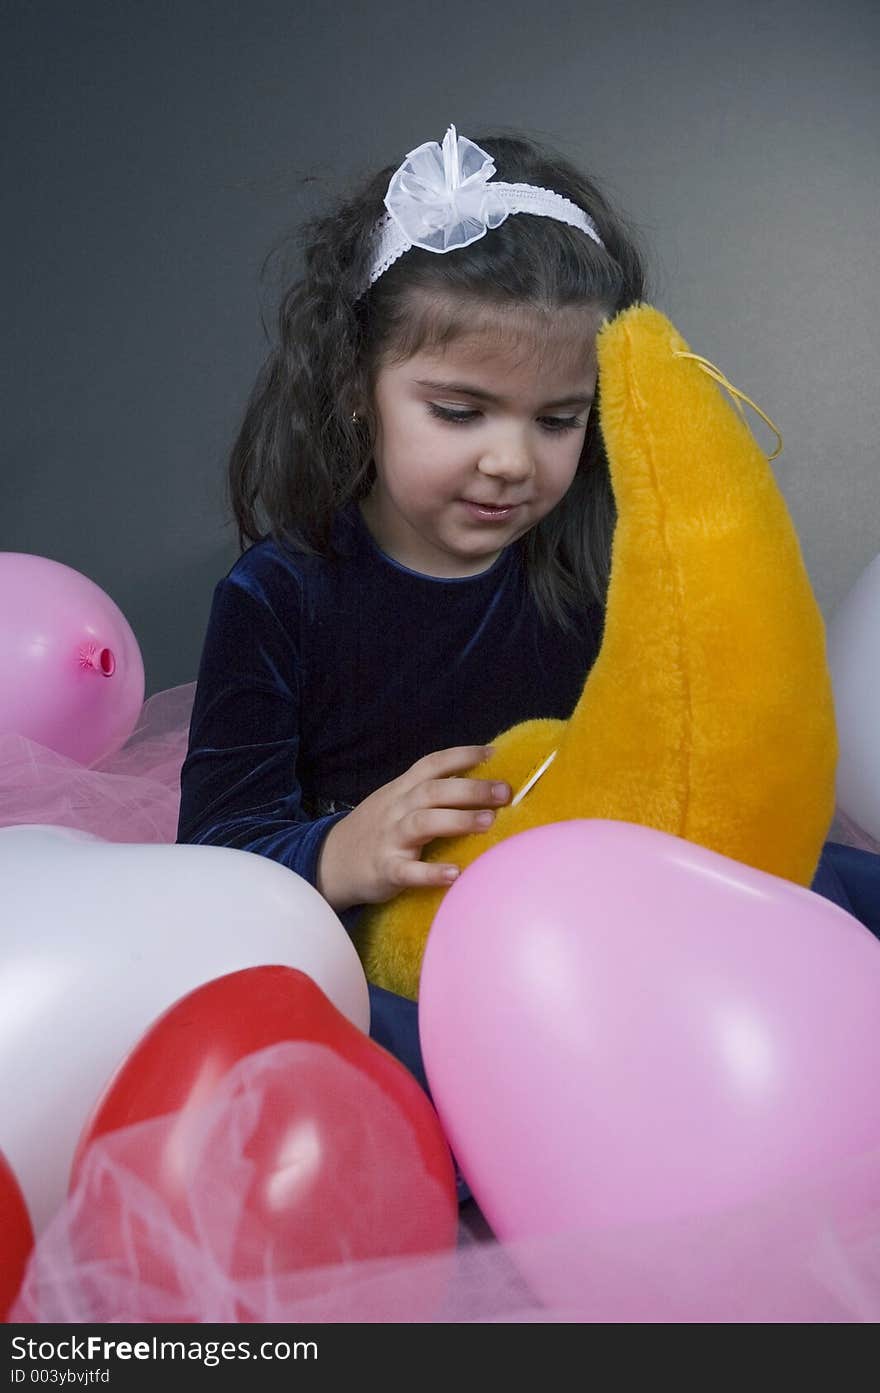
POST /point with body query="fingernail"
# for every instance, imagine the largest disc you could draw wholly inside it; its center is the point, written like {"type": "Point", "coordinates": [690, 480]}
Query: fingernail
{"type": "Point", "coordinates": [450, 873]}
{"type": "Point", "coordinates": [484, 819]}
{"type": "Point", "coordinates": [500, 792]}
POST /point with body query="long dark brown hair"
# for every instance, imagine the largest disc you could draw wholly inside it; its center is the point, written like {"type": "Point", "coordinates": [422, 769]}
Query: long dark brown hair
{"type": "Point", "coordinates": [299, 456]}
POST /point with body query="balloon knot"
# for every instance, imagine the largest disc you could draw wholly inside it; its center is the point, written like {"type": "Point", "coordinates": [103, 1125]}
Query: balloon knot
{"type": "Point", "coordinates": [94, 658]}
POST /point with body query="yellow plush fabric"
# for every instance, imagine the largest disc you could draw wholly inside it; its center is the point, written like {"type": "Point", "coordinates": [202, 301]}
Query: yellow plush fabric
{"type": "Point", "coordinates": [708, 712]}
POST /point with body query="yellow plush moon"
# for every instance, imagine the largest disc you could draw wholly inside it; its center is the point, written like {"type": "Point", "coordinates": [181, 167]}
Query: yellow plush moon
{"type": "Point", "coordinates": [708, 712]}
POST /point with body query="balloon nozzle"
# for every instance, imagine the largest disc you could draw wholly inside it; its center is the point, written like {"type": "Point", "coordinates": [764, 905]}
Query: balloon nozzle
{"type": "Point", "coordinates": [97, 659]}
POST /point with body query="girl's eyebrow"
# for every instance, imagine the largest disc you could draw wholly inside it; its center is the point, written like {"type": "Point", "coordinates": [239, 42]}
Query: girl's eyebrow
{"type": "Point", "coordinates": [479, 392]}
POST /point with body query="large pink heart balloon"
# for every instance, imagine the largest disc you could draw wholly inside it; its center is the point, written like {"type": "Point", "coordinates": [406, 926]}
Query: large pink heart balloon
{"type": "Point", "coordinates": [620, 1027]}
{"type": "Point", "coordinates": [72, 676]}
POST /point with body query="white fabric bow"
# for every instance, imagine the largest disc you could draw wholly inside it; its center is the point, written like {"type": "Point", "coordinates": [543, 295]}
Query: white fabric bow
{"type": "Point", "coordinates": [441, 198]}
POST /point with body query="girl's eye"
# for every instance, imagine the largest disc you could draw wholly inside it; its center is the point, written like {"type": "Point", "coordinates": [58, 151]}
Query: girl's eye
{"type": "Point", "coordinates": [553, 424]}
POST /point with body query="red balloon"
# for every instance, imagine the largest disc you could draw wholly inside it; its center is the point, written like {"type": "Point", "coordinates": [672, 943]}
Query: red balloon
{"type": "Point", "coordinates": [352, 1205]}
{"type": "Point", "coordinates": [16, 1237]}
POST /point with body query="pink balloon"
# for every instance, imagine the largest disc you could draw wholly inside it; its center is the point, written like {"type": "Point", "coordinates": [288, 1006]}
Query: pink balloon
{"type": "Point", "coordinates": [619, 1027]}
{"type": "Point", "coordinates": [72, 676]}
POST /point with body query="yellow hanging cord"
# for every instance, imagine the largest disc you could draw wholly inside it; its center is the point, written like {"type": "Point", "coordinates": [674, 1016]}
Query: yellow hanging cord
{"type": "Point", "coordinates": [738, 396]}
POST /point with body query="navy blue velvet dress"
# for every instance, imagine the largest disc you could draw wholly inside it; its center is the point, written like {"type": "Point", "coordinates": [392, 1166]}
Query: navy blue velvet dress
{"type": "Point", "coordinates": [320, 680]}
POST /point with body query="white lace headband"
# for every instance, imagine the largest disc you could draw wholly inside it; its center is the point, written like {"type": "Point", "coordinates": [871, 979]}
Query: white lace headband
{"type": "Point", "coordinates": [441, 199]}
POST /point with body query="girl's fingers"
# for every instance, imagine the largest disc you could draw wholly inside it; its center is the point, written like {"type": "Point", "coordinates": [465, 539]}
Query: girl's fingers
{"type": "Point", "coordinates": [441, 763]}
{"type": "Point", "coordinates": [412, 875]}
{"type": "Point", "coordinates": [459, 793]}
{"type": "Point", "coordinates": [426, 824]}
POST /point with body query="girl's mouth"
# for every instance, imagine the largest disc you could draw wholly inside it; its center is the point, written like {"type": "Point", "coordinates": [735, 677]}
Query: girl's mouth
{"type": "Point", "coordinates": [487, 513]}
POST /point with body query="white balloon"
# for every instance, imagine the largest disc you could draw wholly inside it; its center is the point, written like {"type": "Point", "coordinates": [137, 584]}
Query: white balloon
{"type": "Point", "coordinates": [99, 938]}
{"type": "Point", "coordinates": [854, 658]}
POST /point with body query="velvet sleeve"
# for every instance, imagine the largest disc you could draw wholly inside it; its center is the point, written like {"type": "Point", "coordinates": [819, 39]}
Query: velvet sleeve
{"type": "Point", "coordinates": [238, 783]}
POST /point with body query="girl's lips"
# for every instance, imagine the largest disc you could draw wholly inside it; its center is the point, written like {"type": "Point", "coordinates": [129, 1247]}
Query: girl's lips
{"type": "Point", "coordinates": [486, 513]}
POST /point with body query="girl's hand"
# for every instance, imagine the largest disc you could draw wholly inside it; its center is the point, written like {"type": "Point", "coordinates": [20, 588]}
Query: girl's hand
{"type": "Point", "coordinates": [373, 852]}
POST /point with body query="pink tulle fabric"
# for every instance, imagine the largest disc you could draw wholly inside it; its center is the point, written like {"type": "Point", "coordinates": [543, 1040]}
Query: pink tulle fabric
{"type": "Point", "coordinates": [805, 1256]}
{"type": "Point", "coordinates": [116, 1253]}
{"type": "Point", "coordinates": [131, 796]}
{"type": "Point", "coordinates": [844, 830]}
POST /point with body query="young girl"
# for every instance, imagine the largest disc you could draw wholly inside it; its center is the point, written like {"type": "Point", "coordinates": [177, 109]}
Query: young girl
{"type": "Point", "coordinates": [422, 478]}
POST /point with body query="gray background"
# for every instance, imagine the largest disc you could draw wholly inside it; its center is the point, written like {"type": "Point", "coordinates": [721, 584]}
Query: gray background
{"type": "Point", "coordinates": [154, 152]}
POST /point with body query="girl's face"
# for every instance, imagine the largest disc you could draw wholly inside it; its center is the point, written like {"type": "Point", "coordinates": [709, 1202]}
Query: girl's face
{"type": "Point", "coordinates": [476, 443]}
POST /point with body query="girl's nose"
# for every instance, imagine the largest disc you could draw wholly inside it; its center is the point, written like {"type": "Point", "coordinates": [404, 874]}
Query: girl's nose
{"type": "Point", "coordinates": [509, 460]}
